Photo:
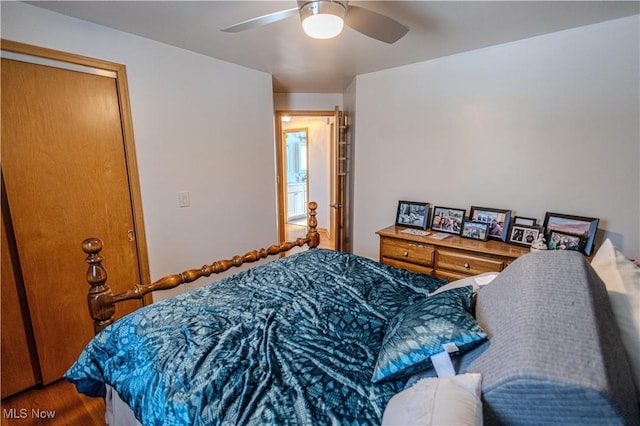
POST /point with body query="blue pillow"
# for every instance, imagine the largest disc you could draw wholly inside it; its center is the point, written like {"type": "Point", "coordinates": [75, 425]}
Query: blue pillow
{"type": "Point", "coordinates": [419, 331]}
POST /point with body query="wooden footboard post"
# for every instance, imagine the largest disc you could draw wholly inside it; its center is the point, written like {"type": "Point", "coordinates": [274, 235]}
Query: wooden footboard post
{"type": "Point", "coordinates": [312, 226]}
{"type": "Point", "coordinates": [101, 305]}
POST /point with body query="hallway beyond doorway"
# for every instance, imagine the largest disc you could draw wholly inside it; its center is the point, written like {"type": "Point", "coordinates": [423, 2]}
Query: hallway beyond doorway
{"type": "Point", "coordinates": [317, 171]}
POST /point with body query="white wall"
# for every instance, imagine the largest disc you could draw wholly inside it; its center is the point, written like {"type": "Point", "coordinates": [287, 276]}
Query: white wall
{"type": "Point", "coordinates": [545, 124]}
{"type": "Point", "coordinates": [191, 133]}
{"type": "Point", "coordinates": [307, 101]}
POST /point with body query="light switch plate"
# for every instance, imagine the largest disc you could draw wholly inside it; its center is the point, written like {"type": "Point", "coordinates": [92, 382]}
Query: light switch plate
{"type": "Point", "coordinates": [183, 199]}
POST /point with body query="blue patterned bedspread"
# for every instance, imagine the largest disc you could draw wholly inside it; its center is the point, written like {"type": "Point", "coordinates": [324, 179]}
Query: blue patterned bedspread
{"type": "Point", "coordinates": [293, 341]}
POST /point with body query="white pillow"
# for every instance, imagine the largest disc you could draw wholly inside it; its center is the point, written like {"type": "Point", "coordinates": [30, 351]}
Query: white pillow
{"type": "Point", "coordinates": [451, 400]}
{"type": "Point", "coordinates": [476, 281]}
{"type": "Point", "coordinates": [622, 279]}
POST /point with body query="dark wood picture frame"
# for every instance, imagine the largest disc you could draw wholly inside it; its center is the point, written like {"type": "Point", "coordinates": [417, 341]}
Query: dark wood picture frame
{"type": "Point", "coordinates": [573, 226]}
{"type": "Point", "coordinates": [498, 220]}
{"type": "Point", "coordinates": [412, 214]}
{"type": "Point", "coordinates": [564, 241]}
{"type": "Point", "coordinates": [447, 219]}
{"type": "Point", "coordinates": [523, 235]}
{"type": "Point", "coordinates": [475, 230]}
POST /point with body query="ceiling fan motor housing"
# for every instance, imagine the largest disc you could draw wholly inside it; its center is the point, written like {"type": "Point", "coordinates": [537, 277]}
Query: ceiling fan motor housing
{"type": "Point", "coordinates": [335, 7]}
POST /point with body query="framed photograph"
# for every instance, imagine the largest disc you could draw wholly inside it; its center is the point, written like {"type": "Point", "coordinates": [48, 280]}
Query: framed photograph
{"type": "Point", "coordinates": [523, 235]}
{"type": "Point", "coordinates": [475, 230]}
{"type": "Point", "coordinates": [497, 219]}
{"type": "Point", "coordinates": [585, 227]}
{"type": "Point", "coordinates": [412, 214]}
{"type": "Point", "coordinates": [447, 219]}
{"type": "Point", "coordinates": [561, 241]}
{"type": "Point", "coordinates": [526, 221]}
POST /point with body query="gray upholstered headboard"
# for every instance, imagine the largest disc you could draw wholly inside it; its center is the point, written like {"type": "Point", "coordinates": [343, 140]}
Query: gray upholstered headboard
{"type": "Point", "coordinates": [554, 354]}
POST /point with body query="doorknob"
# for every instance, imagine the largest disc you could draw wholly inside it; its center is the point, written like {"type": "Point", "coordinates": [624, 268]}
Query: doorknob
{"type": "Point", "coordinates": [335, 206]}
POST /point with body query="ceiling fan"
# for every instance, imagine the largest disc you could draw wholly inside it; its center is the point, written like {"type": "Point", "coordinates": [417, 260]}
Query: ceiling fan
{"type": "Point", "coordinates": [325, 19]}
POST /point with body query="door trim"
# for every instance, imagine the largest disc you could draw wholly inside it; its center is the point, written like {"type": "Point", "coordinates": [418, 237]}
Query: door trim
{"type": "Point", "coordinates": [127, 133]}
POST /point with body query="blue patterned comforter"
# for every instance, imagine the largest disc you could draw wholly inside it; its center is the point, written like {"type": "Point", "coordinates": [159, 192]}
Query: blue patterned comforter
{"type": "Point", "coordinates": [293, 341]}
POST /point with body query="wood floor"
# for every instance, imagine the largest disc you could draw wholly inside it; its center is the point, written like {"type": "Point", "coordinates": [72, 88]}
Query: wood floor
{"type": "Point", "coordinates": [56, 404]}
{"type": "Point", "coordinates": [294, 231]}
{"type": "Point", "coordinates": [60, 404]}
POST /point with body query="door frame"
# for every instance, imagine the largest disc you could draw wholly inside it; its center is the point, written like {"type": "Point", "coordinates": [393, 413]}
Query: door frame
{"type": "Point", "coordinates": [65, 59]}
{"type": "Point", "coordinates": [281, 167]}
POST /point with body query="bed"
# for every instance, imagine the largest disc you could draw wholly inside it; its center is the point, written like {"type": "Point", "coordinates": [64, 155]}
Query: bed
{"type": "Point", "coordinates": [291, 341]}
{"type": "Point", "coordinates": [324, 337]}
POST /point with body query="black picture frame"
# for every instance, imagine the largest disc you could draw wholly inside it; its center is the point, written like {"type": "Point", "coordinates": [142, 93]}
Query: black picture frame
{"type": "Point", "coordinates": [498, 220]}
{"type": "Point", "coordinates": [572, 225]}
{"type": "Point", "coordinates": [447, 219]}
{"type": "Point", "coordinates": [412, 214]}
{"type": "Point", "coordinates": [564, 241]}
{"type": "Point", "coordinates": [523, 235]}
{"type": "Point", "coordinates": [475, 230]}
{"type": "Point", "coordinates": [527, 221]}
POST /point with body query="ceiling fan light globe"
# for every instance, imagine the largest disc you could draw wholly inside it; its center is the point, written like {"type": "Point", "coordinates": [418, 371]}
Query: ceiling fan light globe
{"type": "Point", "coordinates": [322, 19]}
{"type": "Point", "coordinates": [322, 26]}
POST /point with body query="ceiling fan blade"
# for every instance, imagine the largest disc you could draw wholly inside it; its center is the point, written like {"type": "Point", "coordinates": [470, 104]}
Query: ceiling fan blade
{"type": "Point", "coordinates": [375, 25]}
{"type": "Point", "coordinates": [261, 20]}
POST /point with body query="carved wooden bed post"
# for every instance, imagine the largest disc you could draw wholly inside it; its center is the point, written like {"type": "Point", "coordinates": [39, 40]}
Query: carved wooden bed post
{"type": "Point", "coordinates": [100, 298]}
{"type": "Point", "coordinates": [312, 226]}
{"type": "Point", "coordinates": [102, 301]}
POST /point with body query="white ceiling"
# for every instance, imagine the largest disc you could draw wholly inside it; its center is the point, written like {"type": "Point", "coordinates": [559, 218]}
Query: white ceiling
{"type": "Point", "coordinates": [304, 65]}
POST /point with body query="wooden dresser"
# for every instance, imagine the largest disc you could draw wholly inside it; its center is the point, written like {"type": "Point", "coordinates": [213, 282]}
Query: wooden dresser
{"type": "Point", "coordinates": [451, 258]}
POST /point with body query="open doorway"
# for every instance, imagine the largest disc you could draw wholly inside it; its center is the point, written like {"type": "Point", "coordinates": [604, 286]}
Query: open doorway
{"type": "Point", "coordinates": [296, 159]}
{"type": "Point", "coordinates": [306, 143]}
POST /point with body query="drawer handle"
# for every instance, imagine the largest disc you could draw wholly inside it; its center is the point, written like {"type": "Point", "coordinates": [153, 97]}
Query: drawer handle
{"type": "Point", "coordinates": [466, 265]}
{"type": "Point", "coordinates": [405, 254]}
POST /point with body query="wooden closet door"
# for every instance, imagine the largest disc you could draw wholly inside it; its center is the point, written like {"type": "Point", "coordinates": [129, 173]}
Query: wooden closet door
{"type": "Point", "coordinates": [65, 173]}
{"type": "Point", "coordinates": [18, 347]}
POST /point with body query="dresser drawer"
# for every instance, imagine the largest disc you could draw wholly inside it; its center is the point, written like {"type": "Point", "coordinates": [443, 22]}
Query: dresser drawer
{"type": "Point", "coordinates": [467, 264]}
{"type": "Point", "coordinates": [412, 267]}
{"type": "Point", "coordinates": [406, 251]}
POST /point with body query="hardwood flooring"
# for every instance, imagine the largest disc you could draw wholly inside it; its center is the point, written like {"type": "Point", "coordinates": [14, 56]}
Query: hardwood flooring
{"type": "Point", "coordinates": [56, 404]}
{"type": "Point", "coordinates": [294, 231]}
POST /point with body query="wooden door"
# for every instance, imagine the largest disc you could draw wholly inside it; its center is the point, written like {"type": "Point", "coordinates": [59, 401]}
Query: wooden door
{"type": "Point", "coordinates": [18, 347]}
{"type": "Point", "coordinates": [66, 176]}
{"type": "Point", "coordinates": [337, 179]}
